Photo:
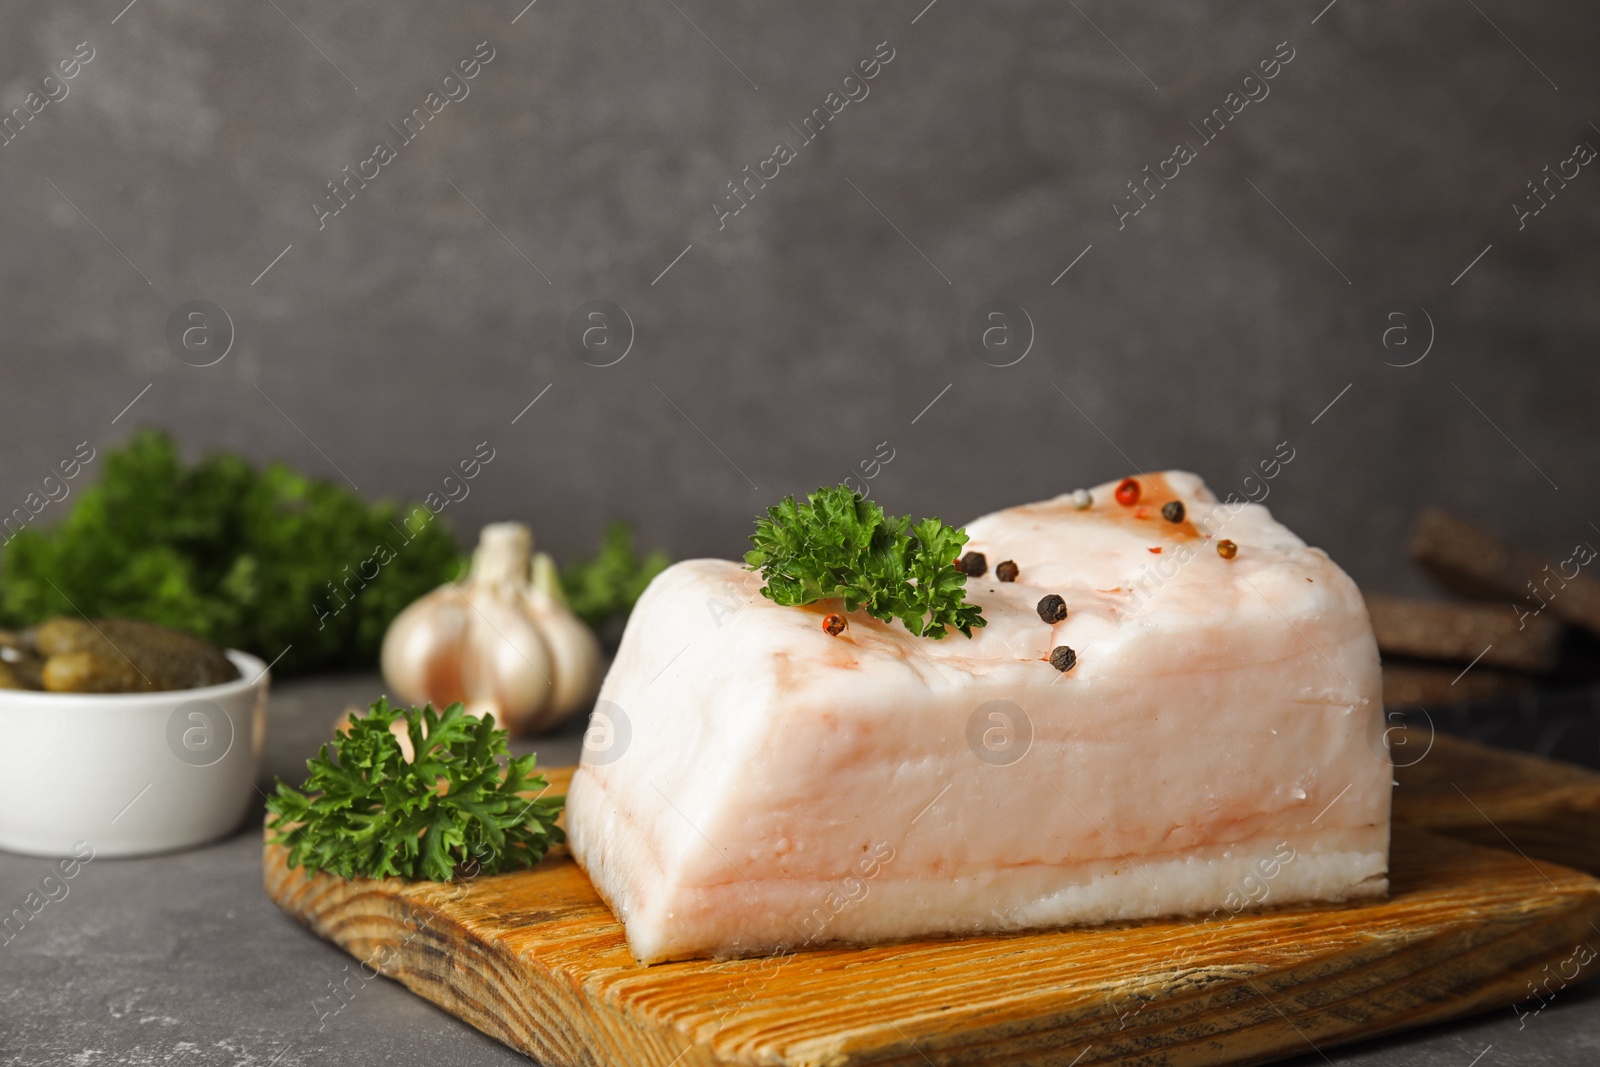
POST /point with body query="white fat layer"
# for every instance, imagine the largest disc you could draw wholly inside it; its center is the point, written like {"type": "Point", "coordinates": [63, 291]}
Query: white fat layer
{"type": "Point", "coordinates": [1216, 703]}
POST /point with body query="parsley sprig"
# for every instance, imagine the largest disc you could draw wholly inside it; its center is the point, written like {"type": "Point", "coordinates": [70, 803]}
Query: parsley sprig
{"type": "Point", "coordinates": [367, 812]}
{"type": "Point", "coordinates": [840, 544]}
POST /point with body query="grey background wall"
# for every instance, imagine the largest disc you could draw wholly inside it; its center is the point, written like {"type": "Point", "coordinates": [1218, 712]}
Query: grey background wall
{"type": "Point", "coordinates": [381, 344]}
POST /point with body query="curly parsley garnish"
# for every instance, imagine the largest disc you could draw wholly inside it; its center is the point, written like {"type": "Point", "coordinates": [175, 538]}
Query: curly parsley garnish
{"type": "Point", "coordinates": [840, 544]}
{"type": "Point", "coordinates": [367, 812]}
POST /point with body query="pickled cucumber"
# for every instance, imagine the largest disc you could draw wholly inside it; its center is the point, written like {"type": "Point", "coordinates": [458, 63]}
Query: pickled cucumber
{"type": "Point", "coordinates": [68, 655]}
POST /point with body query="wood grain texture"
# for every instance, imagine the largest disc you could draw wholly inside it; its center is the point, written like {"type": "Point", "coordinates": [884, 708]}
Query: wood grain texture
{"type": "Point", "coordinates": [1545, 809]}
{"type": "Point", "coordinates": [536, 960]}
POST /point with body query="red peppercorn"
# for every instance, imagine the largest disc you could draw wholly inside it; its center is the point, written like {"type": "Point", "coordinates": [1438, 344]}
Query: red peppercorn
{"type": "Point", "coordinates": [833, 624]}
{"type": "Point", "coordinates": [1128, 492]}
{"type": "Point", "coordinates": [1227, 549]}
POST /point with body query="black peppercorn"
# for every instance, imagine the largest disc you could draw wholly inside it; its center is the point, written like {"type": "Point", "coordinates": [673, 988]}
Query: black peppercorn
{"type": "Point", "coordinates": [1052, 609]}
{"type": "Point", "coordinates": [1006, 571]}
{"type": "Point", "coordinates": [1063, 658]}
{"type": "Point", "coordinates": [973, 565]}
{"type": "Point", "coordinates": [1172, 511]}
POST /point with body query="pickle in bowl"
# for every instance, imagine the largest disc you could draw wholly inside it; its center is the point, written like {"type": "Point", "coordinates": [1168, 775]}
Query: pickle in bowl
{"type": "Point", "coordinates": [68, 655]}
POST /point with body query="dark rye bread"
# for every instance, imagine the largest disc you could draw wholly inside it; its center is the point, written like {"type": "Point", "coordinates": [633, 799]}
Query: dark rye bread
{"type": "Point", "coordinates": [1461, 633]}
{"type": "Point", "coordinates": [1474, 561]}
{"type": "Point", "coordinates": [1411, 685]}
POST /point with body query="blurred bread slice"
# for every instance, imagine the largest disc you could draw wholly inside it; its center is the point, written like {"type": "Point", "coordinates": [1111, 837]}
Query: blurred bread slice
{"type": "Point", "coordinates": [1474, 561]}
{"type": "Point", "coordinates": [1411, 685]}
{"type": "Point", "coordinates": [1462, 633]}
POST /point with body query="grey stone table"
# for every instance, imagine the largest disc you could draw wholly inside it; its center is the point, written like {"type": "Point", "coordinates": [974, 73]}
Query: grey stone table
{"type": "Point", "coordinates": [182, 960]}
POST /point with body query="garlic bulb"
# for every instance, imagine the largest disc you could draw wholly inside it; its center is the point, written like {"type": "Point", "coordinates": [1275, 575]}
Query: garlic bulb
{"type": "Point", "coordinates": [502, 641]}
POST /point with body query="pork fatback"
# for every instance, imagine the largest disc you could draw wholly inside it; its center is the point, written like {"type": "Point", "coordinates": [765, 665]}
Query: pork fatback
{"type": "Point", "coordinates": [752, 783]}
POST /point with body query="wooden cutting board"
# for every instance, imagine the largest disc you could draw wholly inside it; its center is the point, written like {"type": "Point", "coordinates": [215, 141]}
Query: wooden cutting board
{"type": "Point", "coordinates": [536, 960]}
{"type": "Point", "coordinates": [1539, 807]}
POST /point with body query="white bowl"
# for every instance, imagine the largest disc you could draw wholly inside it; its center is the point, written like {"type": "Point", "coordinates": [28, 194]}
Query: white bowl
{"type": "Point", "coordinates": [129, 774]}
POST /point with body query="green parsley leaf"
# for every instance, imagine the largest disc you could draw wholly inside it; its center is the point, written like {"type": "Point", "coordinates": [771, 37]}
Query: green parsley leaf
{"type": "Point", "coordinates": [260, 559]}
{"type": "Point", "coordinates": [840, 544]}
{"type": "Point", "coordinates": [604, 588]}
{"type": "Point", "coordinates": [368, 813]}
